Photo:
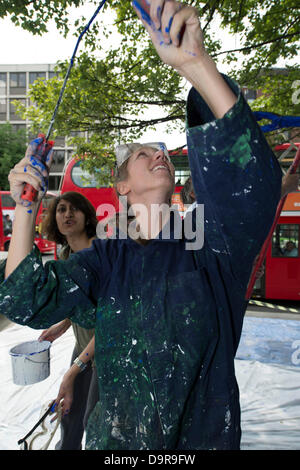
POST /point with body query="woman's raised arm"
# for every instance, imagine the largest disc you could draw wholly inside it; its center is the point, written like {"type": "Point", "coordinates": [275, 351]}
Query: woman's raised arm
{"type": "Point", "coordinates": [175, 31]}
{"type": "Point", "coordinates": [32, 169]}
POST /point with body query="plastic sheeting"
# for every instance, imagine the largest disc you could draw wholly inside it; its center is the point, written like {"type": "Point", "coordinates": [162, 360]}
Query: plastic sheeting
{"type": "Point", "coordinates": [268, 373]}
{"type": "Point", "coordinates": [267, 368]}
{"type": "Point", "coordinates": [20, 406]}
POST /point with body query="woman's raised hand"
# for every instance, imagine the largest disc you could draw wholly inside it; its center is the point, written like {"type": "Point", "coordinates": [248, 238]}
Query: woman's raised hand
{"type": "Point", "coordinates": [32, 169]}
{"type": "Point", "coordinates": [175, 31]}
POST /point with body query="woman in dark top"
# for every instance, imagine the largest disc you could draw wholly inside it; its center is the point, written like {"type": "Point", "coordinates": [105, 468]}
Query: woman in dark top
{"type": "Point", "coordinates": [71, 222]}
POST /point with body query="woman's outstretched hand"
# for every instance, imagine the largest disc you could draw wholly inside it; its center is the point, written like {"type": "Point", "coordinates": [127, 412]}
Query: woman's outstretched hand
{"type": "Point", "coordinates": [32, 169]}
{"type": "Point", "coordinates": [55, 331]}
{"type": "Point", "coordinates": [175, 31]}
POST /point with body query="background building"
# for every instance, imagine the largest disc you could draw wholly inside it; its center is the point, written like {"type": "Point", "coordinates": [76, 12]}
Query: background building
{"type": "Point", "coordinates": [14, 85]}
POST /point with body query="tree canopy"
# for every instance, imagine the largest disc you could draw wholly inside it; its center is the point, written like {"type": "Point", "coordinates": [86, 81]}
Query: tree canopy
{"type": "Point", "coordinates": [12, 149]}
{"type": "Point", "coordinates": [34, 15]}
{"type": "Point", "coordinates": [119, 87]}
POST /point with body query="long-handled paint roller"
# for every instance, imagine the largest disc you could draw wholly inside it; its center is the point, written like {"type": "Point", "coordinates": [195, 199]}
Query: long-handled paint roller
{"type": "Point", "coordinates": [29, 192]}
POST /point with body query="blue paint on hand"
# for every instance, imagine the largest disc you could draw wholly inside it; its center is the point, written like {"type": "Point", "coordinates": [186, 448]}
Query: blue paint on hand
{"type": "Point", "coordinates": [53, 407]}
{"type": "Point", "coordinates": [37, 163]}
{"type": "Point", "coordinates": [158, 13]}
{"type": "Point", "coordinates": [37, 140]}
{"type": "Point", "coordinates": [142, 12]}
{"type": "Point", "coordinates": [190, 53]}
{"type": "Point", "coordinates": [167, 30]}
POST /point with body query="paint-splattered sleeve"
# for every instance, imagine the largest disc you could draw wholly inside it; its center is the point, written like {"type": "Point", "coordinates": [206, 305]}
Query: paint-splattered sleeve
{"type": "Point", "coordinates": [40, 295]}
{"type": "Point", "coordinates": [236, 176]}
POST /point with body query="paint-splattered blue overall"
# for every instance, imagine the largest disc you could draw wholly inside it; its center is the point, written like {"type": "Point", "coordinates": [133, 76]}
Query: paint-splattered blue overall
{"type": "Point", "coordinates": [168, 320]}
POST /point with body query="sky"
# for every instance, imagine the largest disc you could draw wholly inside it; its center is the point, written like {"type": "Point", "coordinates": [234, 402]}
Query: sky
{"type": "Point", "coordinates": [24, 48]}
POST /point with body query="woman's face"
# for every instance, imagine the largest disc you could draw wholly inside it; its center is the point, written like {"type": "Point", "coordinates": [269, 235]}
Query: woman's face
{"type": "Point", "coordinates": [148, 170]}
{"type": "Point", "coordinates": [69, 219]}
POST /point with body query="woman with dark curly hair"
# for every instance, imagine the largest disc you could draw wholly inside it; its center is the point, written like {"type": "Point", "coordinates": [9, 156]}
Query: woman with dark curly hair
{"type": "Point", "coordinates": [71, 222]}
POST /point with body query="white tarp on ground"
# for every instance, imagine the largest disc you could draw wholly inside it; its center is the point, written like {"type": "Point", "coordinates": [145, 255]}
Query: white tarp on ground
{"type": "Point", "coordinates": [267, 368]}
{"type": "Point", "coordinates": [268, 372]}
{"type": "Point", "coordinates": [20, 406]}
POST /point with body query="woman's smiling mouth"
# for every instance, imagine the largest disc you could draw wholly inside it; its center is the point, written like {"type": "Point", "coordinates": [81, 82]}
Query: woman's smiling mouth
{"type": "Point", "coordinates": [160, 167]}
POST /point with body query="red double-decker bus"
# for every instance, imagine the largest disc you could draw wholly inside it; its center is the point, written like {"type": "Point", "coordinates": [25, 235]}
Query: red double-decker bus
{"type": "Point", "coordinates": [281, 279]}
{"type": "Point", "coordinates": [7, 209]}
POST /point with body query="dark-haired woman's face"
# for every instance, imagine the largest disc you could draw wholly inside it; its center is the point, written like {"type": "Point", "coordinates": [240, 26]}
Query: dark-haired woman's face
{"type": "Point", "coordinates": [69, 219]}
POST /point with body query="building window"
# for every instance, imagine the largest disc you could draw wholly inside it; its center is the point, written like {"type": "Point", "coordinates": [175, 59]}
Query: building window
{"type": "Point", "coordinates": [54, 181]}
{"type": "Point", "coordinates": [35, 75]}
{"type": "Point", "coordinates": [58, 161]}
{"type": "Point", "coordinates": [181, 176]}
{"type": "Point", "coordinates": [2, 83]}
{"type": "Point", "coordinates": [286, 241]}
{"type": "Point", "coordinates": [18, 127]}
{"type": "Point", "coordinates": [70, 154]}
{"type": "Point", "coordinates": [59, 141]}
{"type": "Point", "coordinates": [250, 95]}
{"type": "Point", "coordinates": [13, 116]}
{"type": "Point", "coordinates": [182, 169]}
{"type": "Point", "coordinates": [3, 109]}
{"type": "Point", "coordinates": [17, 83]}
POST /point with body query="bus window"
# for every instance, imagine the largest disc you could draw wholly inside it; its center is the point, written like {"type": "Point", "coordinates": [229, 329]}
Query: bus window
{"type": "Point", "coordinates": [181, 165]}
{"type": "Point", "coordinates": [7, 201]}
{"type": "Point", "coordinates": [285, 241]}
{"type": "Point", "coordinates": [47, 200]}
{"type": "Point", "coordinates": [83, 179]}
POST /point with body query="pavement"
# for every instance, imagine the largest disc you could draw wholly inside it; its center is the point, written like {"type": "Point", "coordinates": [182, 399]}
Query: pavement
{"type": "Point", "coordinates": [271, 313]}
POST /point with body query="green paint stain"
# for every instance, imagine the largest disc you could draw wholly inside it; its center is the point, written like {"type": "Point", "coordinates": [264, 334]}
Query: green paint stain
{"type": "Point", "coordinates": [241, 150]}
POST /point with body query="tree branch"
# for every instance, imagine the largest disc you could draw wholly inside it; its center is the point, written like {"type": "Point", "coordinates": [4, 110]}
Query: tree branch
{"type": "Point", "coordinates": [255, 46]}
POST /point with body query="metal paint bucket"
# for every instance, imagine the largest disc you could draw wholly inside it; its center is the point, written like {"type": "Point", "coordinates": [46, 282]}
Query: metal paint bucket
{"type": "Point", "coordinates": [30, 362]}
